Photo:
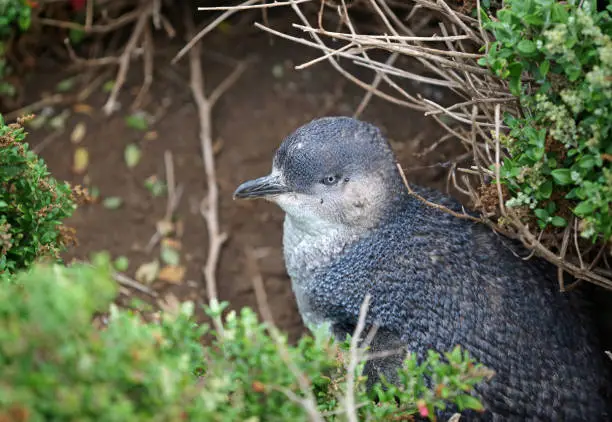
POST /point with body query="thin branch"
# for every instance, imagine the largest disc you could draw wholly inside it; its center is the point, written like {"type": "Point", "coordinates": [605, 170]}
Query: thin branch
{"type": "Point", "coordinates": [388, 38]}
{"type": "Point", "coordinates": [348, 75]}
{"type": "Point", "coordinates": [99, 29]}
{"type": "Point", "coordinates": [256, 6]}
{"type": "Point", "coordinates": [309, 402]}
{"type": "Point", "coordinates": [434, 205]}
{"type": "Point", "coordinates": [212, 25]}
{"type": "Point", "coordinates": [355, 358]}
{"type": "Point", "coordinates": [500, 194]}
{"type": "Point", "coordinates": [89, 15]}
{"type": "Point", "coordinates": [148, 47]}
{"type": "Point", "coordinates": [171, 184]}
{"type": "Point", "coordinates": [228, 82]}
{"type": "Point", "coordinates": [124, 60]}
{"type": "Point", "coordinates": [126, 281]}
{"type": "Point", "coordinates": [377, 79]}
{"type": "Point", "coordinates": [133, 284]}
{"type": "Point", "coordinates": [209, 207]}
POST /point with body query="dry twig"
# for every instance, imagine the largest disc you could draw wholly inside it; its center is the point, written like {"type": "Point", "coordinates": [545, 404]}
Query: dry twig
{"type": "Point", "coordinates": [308, 402]}
{"type": "Point", "coordinates": [128, 282]}
{"type": "Point", "coordinates": [133, 284]}
{"type": "Point", "coordinates": [212, 25]}
{"type": "Point", "coordinates": [173, 199]}
{"type": "Point", "coordinates": [145, 13]}
{"type": "Point", "coordinates": [432, 204]}
{"type": "Point", "coordinates": [254, 6]}
{"type": "Point", "coordinates": [355, 358]}
{"type": "Point", "coordinates": [209, 205]}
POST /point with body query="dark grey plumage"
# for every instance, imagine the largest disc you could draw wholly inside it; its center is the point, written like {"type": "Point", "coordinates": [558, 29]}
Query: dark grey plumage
{"type": "Point", "coordinates": [436, 281]}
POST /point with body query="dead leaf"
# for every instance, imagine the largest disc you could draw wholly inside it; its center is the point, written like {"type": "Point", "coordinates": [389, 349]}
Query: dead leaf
{"type": "Point", "coordinates": [151, 135]}
{"type": "Point", "coordinates": [170, 304]}
{"type": "Point", "coordinates": [81, 160]}
{"type": "Point", "coordinates": [78, 133]}
{"type": "Point", "coordinates": [58, 122]}
{"type": "Point", "coordinates": [112, 202]}
{"type": "Point", "coordinates": [65, 85]}
{"type": "Point", "coordinates": [37, 122]}
{"type": "Point", "coordinates": [172, 274]}
{"type": "Point", "coordinates": [83, 109]}
{"type": "Point", "coordinates": [218, 146]}
{"type": "Point", "coordinates": [169, 256]}
{"type": "Point", "coordinates": [155, 186]}
{"type": "Point", "coordinates": [147, 272]}
{"type": "Point", "coordinates": [132, 155]}
{"type": "Point", "coordinates": [172, 243]}
{"type": "Point", "coordinates": [164, 227]}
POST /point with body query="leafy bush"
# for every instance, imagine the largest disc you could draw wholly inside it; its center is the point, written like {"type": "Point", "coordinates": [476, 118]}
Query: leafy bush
{"type": "Point", "coordinates": [557, 57]}
{"type": "Point", "coordinates": [13, 14]}
{"type": "Point", "coordinates": [58, 365]}
{"type": "Point", "coordinates": [32, 204]}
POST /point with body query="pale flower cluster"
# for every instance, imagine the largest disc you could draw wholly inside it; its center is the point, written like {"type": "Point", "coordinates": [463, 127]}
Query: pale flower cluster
{"type": "Point", "coordinates": [563, 126]}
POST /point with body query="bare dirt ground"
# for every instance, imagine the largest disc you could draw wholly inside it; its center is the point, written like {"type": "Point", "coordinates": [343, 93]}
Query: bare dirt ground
{"type": "Point", "coordinates": [269, 101]}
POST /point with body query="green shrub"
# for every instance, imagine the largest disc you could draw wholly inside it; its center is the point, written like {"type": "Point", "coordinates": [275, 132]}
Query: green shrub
{"type": "Point", "coordinates": [14, 12]}
{"type": "Point", "coordinates": [14, 15]}
{"type": "Point", "coordinates": [32, 204]}
{"type": "Point", "coordinates": [57, 365]}
{"type": "Point", "coordinates": [561, 147]}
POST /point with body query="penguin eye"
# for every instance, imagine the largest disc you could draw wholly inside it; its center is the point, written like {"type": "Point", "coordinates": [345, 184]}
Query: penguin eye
{"type": "Point", "coordinates": [330, 180]}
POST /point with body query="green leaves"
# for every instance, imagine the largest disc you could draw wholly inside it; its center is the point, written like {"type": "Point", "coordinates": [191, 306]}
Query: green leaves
{"type": "Point", "coordinates": [544, 68]}
{"type": "Point", "coordinates": [132, 155]}
{"type": "Point", "coordinates": [33, 206]}
{"type": "Point", "coordinates": [542, 214]}
{"type": "Point", "coordinates": [526, 47]}
{"type": "Point", "coordinates": [169, 255]}
{"type": "Point", "coordinates": [562, 176]}
{"type": "Point", "coordinates": [587, 162]}
{"type": "Point", "coordinates": [584, 208]}
{"type": "Point", "coordinates": [545, 190]}
{"type": "Point", "coordinates": [121, 263]}
{"type": "Point", "coordinates": [137, 121]}
{"type": "Point", "coordinates": [558, 141]}
{"type": "Point", "coordinates": [112, 202]}
{"type": "Point", "coordinates": [155, 186]}
{"type": "Point", "coordinates": [558, 12]}
{"type": "Point", "coordinates": [452, 375]}
{"type": "Point", "coordinates": [14, 14]}
{"type": "Point", "coordinates": [558, 221]}
{"type": "Point", "coordinates": [468, 402]}
{"type": "Point", "coordinates": [54, 356]}
{"type": "Point", "coordinates": [547, 216]}
{"type": "Point", "coordinates": [514, 71]}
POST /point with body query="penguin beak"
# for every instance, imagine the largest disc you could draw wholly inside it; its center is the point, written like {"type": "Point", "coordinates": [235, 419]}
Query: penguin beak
{"type": "Point", "coordinates": [262, 187]}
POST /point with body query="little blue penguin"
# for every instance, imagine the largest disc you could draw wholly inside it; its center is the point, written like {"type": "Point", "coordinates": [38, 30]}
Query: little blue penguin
{"type": "Point", "coordinates": [352, 229]}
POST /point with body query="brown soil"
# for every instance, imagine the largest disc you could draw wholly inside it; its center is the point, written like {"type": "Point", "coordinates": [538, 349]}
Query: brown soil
{"type": "Point", "coordinates": [249, 122]}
